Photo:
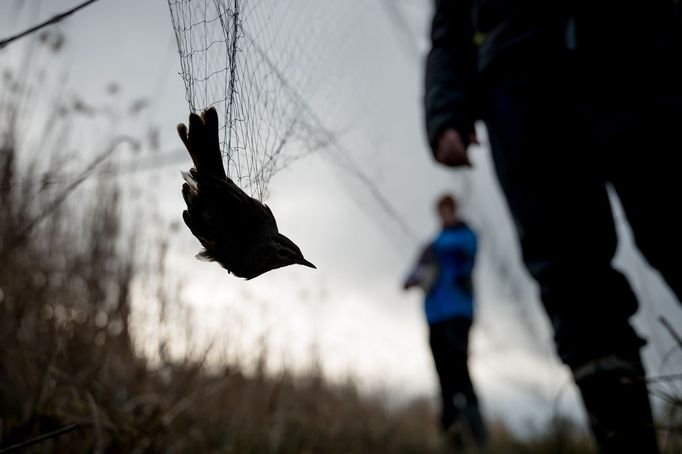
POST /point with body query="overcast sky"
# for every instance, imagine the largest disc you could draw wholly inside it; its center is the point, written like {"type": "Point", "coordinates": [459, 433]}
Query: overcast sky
{"type": "Point", "coordinates": [351, 310]}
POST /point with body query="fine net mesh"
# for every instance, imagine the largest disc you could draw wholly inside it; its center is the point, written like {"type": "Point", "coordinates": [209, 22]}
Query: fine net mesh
{"type": "Point", "coordinates": [289, 78]}
{"type": "Point", "coordinates": [264, 66]}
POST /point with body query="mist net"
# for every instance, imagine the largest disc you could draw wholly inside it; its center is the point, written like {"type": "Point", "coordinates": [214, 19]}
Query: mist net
{"type": "Point", "coordinates": [258, 63]}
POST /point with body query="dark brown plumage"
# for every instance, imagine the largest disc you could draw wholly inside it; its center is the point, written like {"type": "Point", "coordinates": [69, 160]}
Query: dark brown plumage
{"type": "Point", "coordinates": [236, 230]}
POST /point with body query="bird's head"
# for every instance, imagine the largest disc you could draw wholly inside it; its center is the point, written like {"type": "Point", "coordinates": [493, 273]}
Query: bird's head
{"type": "Point", "coordinates": [275, 252]}
{"type": "Point", "coordinates": [285, 252]}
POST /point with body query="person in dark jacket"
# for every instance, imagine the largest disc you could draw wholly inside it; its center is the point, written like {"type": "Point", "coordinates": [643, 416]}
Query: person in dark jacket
{"type": "Point", "coordinates": [577, 97]}
{"type": "Point", "coordinates": [444, 272]}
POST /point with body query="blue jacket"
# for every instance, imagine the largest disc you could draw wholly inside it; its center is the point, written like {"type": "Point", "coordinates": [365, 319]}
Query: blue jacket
{"type": "Point", "coordinates": [444, 270]}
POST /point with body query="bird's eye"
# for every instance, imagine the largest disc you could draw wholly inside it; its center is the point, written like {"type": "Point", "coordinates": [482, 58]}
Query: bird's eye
{"type": "Point", "coordinates": [282, 253]}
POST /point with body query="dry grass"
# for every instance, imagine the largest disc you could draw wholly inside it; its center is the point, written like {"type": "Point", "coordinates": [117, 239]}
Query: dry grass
{"type": "Point", "coordinates": [68, 357]}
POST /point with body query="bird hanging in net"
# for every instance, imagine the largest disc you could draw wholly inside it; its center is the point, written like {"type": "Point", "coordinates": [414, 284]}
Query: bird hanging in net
{"type": "Point", "coordinates": [236, 230]}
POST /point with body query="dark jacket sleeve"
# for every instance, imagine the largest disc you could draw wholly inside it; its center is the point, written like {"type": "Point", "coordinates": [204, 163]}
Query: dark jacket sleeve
{"type": "Point", "coordinates": [449, 97]}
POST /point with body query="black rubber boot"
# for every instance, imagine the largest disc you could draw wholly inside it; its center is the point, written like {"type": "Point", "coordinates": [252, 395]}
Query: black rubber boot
{"type": "Point", "coordinates": [616, 399]}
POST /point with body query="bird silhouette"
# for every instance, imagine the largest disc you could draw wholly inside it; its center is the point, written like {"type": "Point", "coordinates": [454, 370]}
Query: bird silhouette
{"type": "Point", "coordinates": [236, 230]}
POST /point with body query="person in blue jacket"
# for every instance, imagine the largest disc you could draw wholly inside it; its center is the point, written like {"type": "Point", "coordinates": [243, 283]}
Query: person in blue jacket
{"type": "Point", "coordinates": [444, 272]}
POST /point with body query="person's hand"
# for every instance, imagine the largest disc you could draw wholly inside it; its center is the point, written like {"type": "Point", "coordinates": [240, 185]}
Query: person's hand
{"type": "Point", "coordinates": [451, 150]}
{"type": "Point", "coordinates": [409, 283]}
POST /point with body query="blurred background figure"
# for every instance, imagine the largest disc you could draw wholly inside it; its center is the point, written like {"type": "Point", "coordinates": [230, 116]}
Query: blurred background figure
{"type": "Point", "coordinates": [443, 272]}
{"type": "Point", "coordinates": [576, 97]}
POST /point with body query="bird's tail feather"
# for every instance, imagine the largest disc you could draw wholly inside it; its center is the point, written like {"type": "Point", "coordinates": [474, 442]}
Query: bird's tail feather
{"type": "Point", "coordinates": [202, 141]}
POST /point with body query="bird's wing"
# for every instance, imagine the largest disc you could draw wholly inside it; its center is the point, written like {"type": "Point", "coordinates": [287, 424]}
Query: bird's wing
{"type": "Point", "coordinates": [194, 215]}
{"type": "Point", "coordinates": [256, 217]}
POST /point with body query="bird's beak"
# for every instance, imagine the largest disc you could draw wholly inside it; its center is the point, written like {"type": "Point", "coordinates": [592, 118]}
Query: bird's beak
{"type": "Point", "coordinates": [306, 263]}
